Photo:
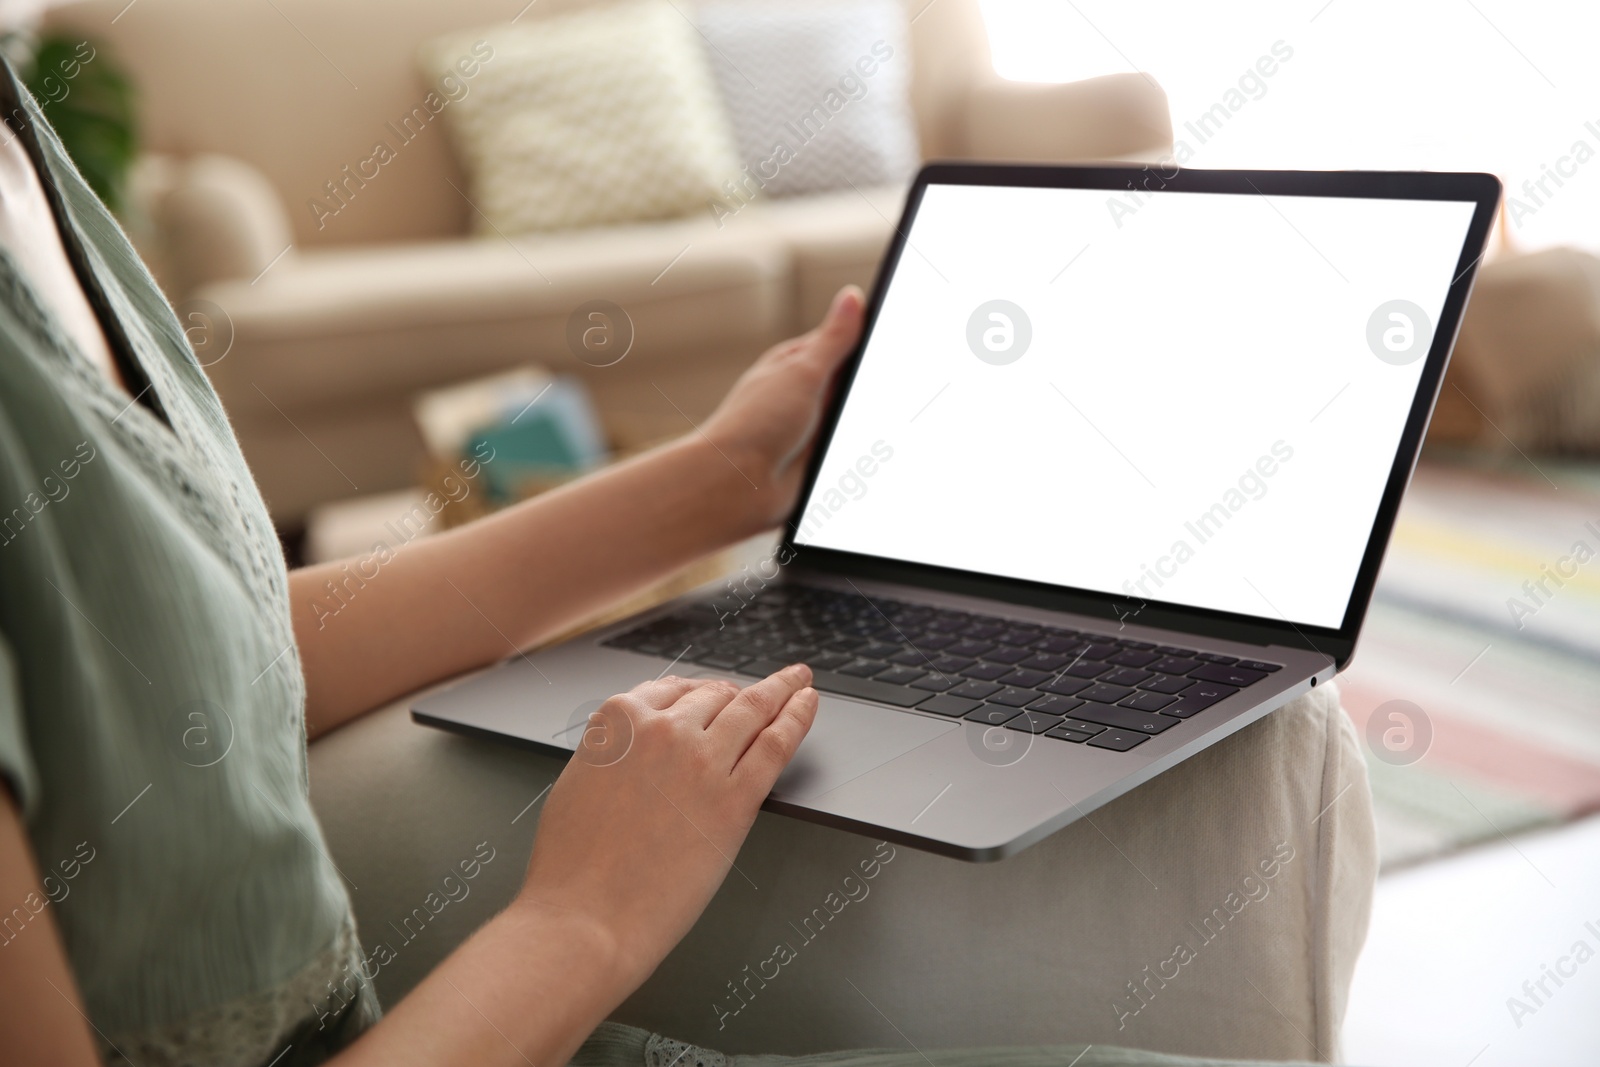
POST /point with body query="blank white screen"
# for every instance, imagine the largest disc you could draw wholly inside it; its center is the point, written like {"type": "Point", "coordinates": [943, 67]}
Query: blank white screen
{"type": "Point", "coordinates": [1198, 418]}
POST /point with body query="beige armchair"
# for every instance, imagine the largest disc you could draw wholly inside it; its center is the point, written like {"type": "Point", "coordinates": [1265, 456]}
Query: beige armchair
{"type": "Point", "coordinates": [330, 325]}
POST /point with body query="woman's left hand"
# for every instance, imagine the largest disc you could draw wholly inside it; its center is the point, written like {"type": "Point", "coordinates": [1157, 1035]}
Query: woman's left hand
{"type": "Point", "coordinates": [767, 424]}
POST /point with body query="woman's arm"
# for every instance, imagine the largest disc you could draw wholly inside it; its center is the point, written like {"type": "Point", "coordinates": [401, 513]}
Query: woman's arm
{"type": "Point", "coordinates": [628, 854]}
{"type": "Point", "coordinates": [41, 1018]}
{"type": "Point", "coordinates": [463, 599]}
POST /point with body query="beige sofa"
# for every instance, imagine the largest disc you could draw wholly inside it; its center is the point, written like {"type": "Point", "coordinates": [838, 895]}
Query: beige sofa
{"type": "Point", "coordinates": [329, 330]}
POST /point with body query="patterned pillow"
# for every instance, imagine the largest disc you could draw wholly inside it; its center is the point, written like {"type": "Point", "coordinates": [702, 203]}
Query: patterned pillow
{"type": "Point", "coordinates": [603, 115]}
{"type": "Point", "coordinates": [818, 93]}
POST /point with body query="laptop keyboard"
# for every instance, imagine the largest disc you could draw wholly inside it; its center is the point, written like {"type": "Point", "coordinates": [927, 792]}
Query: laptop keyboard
{"type": "Point", "coordinates": [1071, 685]}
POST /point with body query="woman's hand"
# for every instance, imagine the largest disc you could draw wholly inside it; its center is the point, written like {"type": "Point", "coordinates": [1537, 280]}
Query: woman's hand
{"type": "Point", "coordinates": [643, 824]}
{"type": "Point", "coordinates": [768, 422]}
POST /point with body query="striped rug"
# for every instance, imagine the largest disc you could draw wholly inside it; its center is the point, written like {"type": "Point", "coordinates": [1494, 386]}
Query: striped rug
{"type": "Point", "coordinates": [1477, 681]}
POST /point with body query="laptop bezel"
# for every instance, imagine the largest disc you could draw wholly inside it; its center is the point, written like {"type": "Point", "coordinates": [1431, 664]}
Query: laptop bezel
{"type": "Point", "coordinates": [1482, 190]}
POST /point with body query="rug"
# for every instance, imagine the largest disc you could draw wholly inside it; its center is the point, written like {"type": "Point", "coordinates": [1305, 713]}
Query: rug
{"type": "Point", "coordinates": [1476, 686]}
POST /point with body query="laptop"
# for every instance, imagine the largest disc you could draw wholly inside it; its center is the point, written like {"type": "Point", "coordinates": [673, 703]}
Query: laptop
{"type": "Point", "coordinates": [1108, 478]}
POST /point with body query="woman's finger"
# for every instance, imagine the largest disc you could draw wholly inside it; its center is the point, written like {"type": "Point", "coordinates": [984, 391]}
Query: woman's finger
{"type": "Point", "coordinates": [736, 725]}
{"type": "Point", "coordinates": [772, 749]}
{"type": "Point", "coordinates": [836, 337]}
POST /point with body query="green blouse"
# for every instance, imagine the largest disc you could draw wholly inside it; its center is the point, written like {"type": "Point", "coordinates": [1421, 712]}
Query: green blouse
{"type": "Point", "coordinates": [151, 696]}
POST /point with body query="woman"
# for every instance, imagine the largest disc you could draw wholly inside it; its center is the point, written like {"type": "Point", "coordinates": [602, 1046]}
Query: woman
{"type": "Point", "coordinates": [190, 912]}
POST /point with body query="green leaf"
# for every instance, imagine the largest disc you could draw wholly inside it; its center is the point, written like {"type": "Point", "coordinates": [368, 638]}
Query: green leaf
{"type": "Point", "coordinates": [91, 104]}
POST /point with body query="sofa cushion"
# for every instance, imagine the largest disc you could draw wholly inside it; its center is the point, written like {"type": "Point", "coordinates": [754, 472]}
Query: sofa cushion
{"type": "Point", "coordinates": [816, 93]}
{"type": "Point", "coordinates": [598, 116]}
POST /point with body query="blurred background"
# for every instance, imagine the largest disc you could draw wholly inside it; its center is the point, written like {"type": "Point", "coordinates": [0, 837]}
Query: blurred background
{"type": "Point", "coordinates": [404, 235]}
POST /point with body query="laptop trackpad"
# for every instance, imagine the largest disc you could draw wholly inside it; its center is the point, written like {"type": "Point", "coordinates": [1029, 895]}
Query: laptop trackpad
{"type": "Point", "coordinates": [846, 741]}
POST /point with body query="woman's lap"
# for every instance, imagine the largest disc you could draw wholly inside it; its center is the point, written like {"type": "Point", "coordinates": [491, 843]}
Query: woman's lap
{"type": "Point", "coordinates": [1150, 924]}
{"type": "Point", "coordinates": [1079, 938]}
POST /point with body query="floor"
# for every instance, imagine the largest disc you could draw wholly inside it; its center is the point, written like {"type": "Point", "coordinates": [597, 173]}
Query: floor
{"type": "Point", "coordinates": [1453, 941]}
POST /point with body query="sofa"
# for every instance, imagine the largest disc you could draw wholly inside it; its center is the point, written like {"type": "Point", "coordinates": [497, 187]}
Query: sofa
{"type": "Point", "coordinates": [318, 331]}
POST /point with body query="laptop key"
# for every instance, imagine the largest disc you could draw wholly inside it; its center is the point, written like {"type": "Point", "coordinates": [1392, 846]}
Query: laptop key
{"type": "Point", "coordinates": [1123, 718]}
{"type": "Point", "coordinates": [948, 664]}
{"type": "Point", "coordinates": [1142, 646]}
{"type": "Point", "coordinates": [1054, 704]}
{"type": "Point", "coordinates": [1106, 694]}
{"type": "Point", "coordinates": [724, 660]}
{"type": "Point", "coordinates": [1216, 657]}
{"type": "Point", "coordinates": [986, 672]}
{"type": "Point", "coordinates": [1078, 726]}
{"type": "Point", "coordinates": [1166, 683]}
{"type": "Point", "coordinates": [899, 675]}
{"type": "Point", "coordinates": [975, 690]}
{"type": "Point", "coordinates": [1216, 672]}
{"type": "Point", "coordinates": [1045, 661]}
{"type": "Point", "coordinates": [1198, 697]}
{"type": "Point", "coordinates": [760, 668]}
{"type": "Point", "coordinates": [1034, 722]}
{"type": "Point", "coordinates": [1087, 668]}
{"type": "Point", "coordinates": [936, 683]}
{"type": "Point", "coordinates": [908, 657]}
{"type": "Point", "coordinates": [1065, 732]}
{"type": "Point", "coordinates": [945, 704]}
{"type": "Point", "coordinates": [1054, 644]}
{"type": "Point", "coordinates": [1024, 677]}
{"type": "Point", "coordinates": [827, 661]}
{"type": "Point", "coordinates": [1005, 654]}
{"type": "Point", "coordinates": [861, 668]}
{"type": "Point", "coordinates": [865, 688]}
{"type": "Point", "coordinates": [1125, 676]}
{"type": "Point", "coordinates": [968, 647]}
{"type": "Point", "coordinates": [1147, 701]}
{"type": "Point", "coordinates": [1174, 650]}
{"type": "Point", "coordinates": [1117, 740]}
{"type": "Point", "coordinates": [1175, 665]}
{"type": "Point", "coordinates": [1134, 658]}
{"type": "Point", "coordinates": [1259, 665]}
{"type": "Point", "coordinates": [1013, 697]}
{"type": "Point", "coordinates": [993, 714]}
{"type": "Point", "coordinates": [1069, 686]}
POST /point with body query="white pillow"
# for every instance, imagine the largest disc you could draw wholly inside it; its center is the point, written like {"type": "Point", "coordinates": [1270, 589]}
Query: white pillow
{"type": "Point", "coordinates": [604, 115]}
{"type": "Point", "coordinates": [817, 93]}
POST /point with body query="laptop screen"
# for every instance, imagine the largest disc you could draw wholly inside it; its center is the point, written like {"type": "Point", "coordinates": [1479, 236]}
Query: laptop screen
{"type": "Point", "coordinates": [1188, 397]}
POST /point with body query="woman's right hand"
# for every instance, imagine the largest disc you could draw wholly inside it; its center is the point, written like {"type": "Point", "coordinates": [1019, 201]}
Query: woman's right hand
{"type": "Point", "coordinates": [643, 824]}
